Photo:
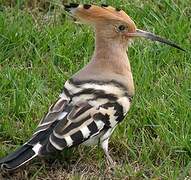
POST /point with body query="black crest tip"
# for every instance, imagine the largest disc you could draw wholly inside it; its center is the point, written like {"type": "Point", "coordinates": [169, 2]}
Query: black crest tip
{"type": "Point", "coordinates": [87, 6]}
{"type": "Point", "coordinates": [67, 7]}
{"type": "Point", "coordinates": [104, 5]}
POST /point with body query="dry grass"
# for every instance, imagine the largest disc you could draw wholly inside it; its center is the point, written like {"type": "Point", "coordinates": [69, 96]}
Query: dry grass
{"type": "Point", "coordinates": [81, 164]}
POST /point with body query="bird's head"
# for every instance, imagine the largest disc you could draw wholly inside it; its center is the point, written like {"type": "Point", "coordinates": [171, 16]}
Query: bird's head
{"type": "Point", "coordinates": [111, 23]}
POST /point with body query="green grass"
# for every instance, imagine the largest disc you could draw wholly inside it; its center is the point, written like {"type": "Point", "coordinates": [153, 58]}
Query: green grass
{"type": "Point", "coordinates": [39, 51]}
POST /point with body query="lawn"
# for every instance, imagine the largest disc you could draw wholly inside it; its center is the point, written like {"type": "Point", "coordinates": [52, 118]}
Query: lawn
{"type": "Point", "coordinates": [40, 49]}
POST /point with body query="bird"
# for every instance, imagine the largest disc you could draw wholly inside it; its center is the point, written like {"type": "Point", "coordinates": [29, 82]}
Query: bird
{"type": "Point", "coordinates": [95, 99]}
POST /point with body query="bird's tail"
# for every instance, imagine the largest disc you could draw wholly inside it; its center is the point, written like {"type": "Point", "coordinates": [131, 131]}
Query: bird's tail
{"type": "Point", "coordinates": [18, 158]}
{"type": "Point", "coordinates": [28, 151]}
{"type": "Point", "coordinates": [36, 146]}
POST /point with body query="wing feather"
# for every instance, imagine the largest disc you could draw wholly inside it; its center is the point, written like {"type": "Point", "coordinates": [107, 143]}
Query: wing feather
{"type": "Point", "coordinates": [79, 115]}
{"type": "Point", "coordinates": [69, 132]}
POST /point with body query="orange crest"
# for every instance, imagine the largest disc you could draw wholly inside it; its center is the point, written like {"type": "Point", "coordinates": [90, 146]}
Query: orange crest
{"type": "Point", "coordinates": [93, 14]}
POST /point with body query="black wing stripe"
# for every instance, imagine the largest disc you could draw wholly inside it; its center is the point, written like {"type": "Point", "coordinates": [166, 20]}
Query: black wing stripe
{"type": "Point", "coordinates": [105, 118]}
{"type": "Point", "coordinates": [118, 108]}
{"type": "Point", "coordinates": [93, 128]}
{"type": "Point", "coordinates": [66, 92]}
{"type": "Point", "coordinates": [75, 125]}
{"type": "Point", "coordinates": [77, 138]}
{"type": "Point", "coordinates": [80, 112]}
{"type": "Point", "coordinates": [97, 92]}
{"type": "Point", "coordinates": [42, 136]}
{"type": "Point", "coordinates": [58, 143]}
{"type": "Point", "coordinates": [119, 112]}
{"type": "Point", "coordinates": [115, 83]}
{"type": "Point", "coordinates": [46, 125]}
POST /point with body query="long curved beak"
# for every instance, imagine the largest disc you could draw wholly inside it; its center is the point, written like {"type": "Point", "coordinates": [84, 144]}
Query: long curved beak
{"type": "Point", "coordinates": [153, 37]}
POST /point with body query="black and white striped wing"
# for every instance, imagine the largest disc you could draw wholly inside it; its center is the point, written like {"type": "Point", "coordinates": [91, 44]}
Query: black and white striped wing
{"type": "Point", "coordinates": [83, 111]}
{"type": "Point", "coordinates": [78, 126]}
{"type": "Point", "coordinates": [70, 126]}
{"type": "Point", "coordinates": [57, 112]}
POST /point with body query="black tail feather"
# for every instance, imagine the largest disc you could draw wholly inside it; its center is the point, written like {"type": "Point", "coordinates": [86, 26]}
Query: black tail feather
{"type": "Point", "coordinates": [18, 158]}
{"type": "Point", "coordinates": [27, 152]}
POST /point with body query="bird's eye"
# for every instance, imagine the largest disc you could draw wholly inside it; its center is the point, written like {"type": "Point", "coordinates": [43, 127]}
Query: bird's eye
{"type": "Point", "coordinates": [121, 28]}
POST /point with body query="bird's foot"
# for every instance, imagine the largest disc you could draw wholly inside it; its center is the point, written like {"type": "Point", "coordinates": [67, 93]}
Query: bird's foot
{"type": "Point", "coordinates": [110, 163]}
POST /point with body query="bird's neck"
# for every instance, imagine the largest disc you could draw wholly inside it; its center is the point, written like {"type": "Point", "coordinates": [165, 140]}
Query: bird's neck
{"type": "Point", "coordinates": [109, 62]}
{"type": "Point", "coordinates": [111, 54]}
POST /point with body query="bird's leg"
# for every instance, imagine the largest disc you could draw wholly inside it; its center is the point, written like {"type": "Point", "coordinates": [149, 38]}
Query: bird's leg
{"type": "Point", "coordinates": [104, 145]}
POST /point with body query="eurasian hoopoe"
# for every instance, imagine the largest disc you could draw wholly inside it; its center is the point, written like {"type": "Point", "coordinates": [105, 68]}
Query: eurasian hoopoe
{"type": "Point", "coordinates": [95, 99]}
